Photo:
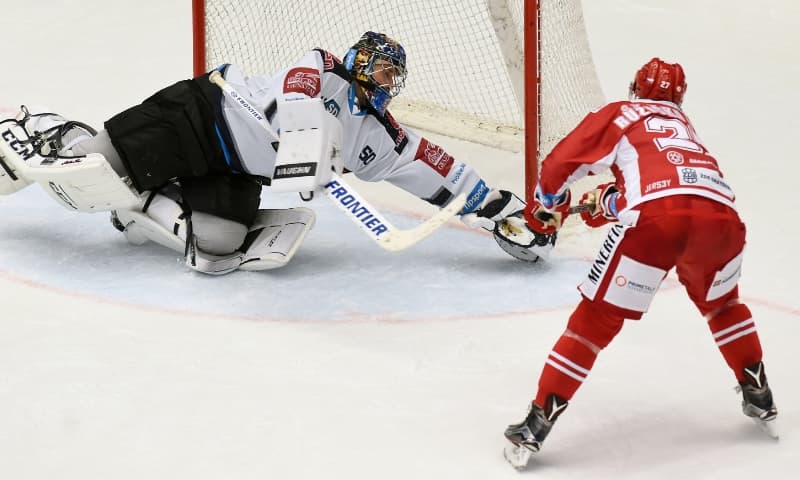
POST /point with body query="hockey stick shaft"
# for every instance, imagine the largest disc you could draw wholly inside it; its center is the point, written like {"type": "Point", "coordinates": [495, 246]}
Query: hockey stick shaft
{"type": "Point", "coordinates": [583, 207]}
{"type": "Point", "coordinates": [359, 210]}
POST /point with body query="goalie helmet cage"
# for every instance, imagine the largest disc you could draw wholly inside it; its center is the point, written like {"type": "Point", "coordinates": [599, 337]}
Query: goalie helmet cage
{"type": "Point", "coordinates": [512, 74]}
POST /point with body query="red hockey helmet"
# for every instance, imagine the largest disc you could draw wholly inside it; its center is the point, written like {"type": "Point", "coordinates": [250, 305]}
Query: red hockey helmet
{"type": "Point", "coordinates": [659, 80]}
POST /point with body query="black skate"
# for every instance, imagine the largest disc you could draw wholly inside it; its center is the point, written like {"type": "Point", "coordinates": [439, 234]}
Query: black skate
{"type": "Point", "coordinates": [757, 400]}
{"type": "Point", "coordinates": [527, 437]}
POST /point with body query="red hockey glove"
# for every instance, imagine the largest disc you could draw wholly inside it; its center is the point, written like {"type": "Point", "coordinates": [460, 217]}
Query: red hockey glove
{"type": "Point", "coordinates": [546, 213]}
{"type": "Point", "coordinates": [603, 199]}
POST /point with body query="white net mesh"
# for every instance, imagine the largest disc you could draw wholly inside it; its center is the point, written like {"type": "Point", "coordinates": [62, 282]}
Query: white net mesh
{"type": "Point", "coordinates": [464, 57]}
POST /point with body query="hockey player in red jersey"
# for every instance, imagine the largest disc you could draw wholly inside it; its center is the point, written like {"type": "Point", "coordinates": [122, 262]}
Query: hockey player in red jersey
{"type": "Point", "coordinates": [672, 208]}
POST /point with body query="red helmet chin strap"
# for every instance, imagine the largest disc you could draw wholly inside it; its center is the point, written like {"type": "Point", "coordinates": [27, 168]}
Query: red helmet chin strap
{"type": "Point", "coordinates": [659, 80]}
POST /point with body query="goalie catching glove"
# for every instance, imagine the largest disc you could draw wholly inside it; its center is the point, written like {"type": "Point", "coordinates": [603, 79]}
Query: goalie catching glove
{"type": "Point", "coordinates": [517, 239]}
{"type": "Point", "coordinates": [501, 213]}
{"type": "Point", "coordinates": [603, 200]}
{"type": "Point", "coordinates": [531, 234]}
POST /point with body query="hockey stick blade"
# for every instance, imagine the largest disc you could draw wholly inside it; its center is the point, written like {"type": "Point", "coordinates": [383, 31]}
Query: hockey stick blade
{"type": "Point", "coordinates": [397, 239]}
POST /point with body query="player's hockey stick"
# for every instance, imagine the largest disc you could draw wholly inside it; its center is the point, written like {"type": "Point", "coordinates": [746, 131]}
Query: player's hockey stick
{"type": "Point", "coordinates": [584, 207]}
{"type": "Point", "coordinates": [369, 219]}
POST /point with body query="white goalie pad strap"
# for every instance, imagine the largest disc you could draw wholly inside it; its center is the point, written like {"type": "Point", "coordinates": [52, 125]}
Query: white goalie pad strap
{"type": "Point", "coordinates": [310, 146]}
{"type": "Point", "coordinates": [140, 227]}
{"type": "Point", "coordinates": [277, 236]}
{"type": "Point", "coordinates": [84, 184]}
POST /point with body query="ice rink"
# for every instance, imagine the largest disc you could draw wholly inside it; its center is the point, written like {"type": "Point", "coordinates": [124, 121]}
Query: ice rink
{"type": "Point", "coordinates": [116, 362]}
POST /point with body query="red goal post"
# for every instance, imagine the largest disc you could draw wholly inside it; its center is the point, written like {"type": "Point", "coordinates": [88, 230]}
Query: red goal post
{"type": "Point", "coordinates": [512, 74]}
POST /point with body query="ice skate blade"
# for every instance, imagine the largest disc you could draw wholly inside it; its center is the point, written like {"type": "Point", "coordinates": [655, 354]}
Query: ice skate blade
{"type": "Point", "coordinates": [769, 427]}
{"type": "Point", "coordinates": [518, 456]}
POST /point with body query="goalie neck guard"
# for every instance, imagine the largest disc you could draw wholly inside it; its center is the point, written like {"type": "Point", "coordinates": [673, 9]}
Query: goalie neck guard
{"type": "Point", "coordinates": [378, 63]}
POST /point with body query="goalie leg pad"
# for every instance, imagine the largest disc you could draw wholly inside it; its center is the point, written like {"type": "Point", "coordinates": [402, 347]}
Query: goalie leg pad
{"type": "Point", "coordinates": [85, 183]}
{"type": "Point", "coordinates": [207, 263]}
{"type": "Point", "coordinates": [275, 237]}
{"type": "Point", "coordinates": [139, 228]}
{"type": "Point", "coordinates": [271, 241]}
{"type": "Point", "coordinates": [216, 235]}
{"type": "Point", "coordinates": [166, 222]}
{"type": "Point", "coordinates": [10, 180]}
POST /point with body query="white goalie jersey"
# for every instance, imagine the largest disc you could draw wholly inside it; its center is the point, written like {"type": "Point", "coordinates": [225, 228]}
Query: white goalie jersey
{"type": "Point", "coordinates": [375, 146]}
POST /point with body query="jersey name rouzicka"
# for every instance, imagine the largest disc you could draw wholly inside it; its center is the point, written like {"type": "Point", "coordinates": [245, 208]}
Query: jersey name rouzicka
{"type": "Point", "coordinates": [651, 149]}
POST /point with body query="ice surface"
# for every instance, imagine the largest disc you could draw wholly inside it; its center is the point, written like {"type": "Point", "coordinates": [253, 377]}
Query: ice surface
{"type": "Point", "coordinates": [355, 363]}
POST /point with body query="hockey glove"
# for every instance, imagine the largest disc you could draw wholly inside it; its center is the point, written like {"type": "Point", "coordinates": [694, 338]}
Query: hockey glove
{"type": "Point", "coordinates": [603, 199]}
{"type": "Point", "coordinates": [497, 205]}
{"type": "Point", "coordinates": [517, 239]}
{"type": "Point", "coordinates": [546, 213]}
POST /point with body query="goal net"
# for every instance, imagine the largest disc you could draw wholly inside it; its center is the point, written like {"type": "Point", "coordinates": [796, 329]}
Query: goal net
{"type": "Point", "coordinates": [466, 59]}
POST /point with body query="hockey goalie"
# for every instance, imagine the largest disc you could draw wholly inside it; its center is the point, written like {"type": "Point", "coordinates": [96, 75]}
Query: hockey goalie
{"type": "Point", "coordinates": [185, 168]}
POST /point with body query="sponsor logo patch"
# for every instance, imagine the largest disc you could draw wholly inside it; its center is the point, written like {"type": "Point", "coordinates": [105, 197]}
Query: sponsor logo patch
{"type": "Point", "coordinates": [688, 175]}
{"type": "Point", "coordinates": [476, 197]}
{"type": "Point", "coordinates": [675, 158]}
{"type": "Point", "coordinates": [435, 156]}
{"type": "Point", "coordinates": [332, 107]}
{"type": "Point", "coordinates": [302, 80]}
{"type": "Point", "coordinates": [371, 221]}
{"type": "Point", "coordinates": [23, 150]}
{"type": "Point", "coordinates": [294, 170]}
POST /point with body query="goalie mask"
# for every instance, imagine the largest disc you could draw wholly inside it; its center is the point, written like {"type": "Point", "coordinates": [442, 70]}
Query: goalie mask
{"type": "Point", "coordinates": [659, 80]}
{"type": "Point", "coordinates": [377, 63]}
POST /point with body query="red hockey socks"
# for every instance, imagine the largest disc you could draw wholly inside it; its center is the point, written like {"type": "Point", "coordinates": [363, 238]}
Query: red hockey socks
{"type": "Point", "coordinates": [589, 330]}
{"type": "Point", "coordinates": [734, 331]}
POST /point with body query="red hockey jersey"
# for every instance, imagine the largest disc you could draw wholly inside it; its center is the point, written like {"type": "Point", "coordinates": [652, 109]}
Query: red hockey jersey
{"type": "Point", "coordinates": [651, 149]}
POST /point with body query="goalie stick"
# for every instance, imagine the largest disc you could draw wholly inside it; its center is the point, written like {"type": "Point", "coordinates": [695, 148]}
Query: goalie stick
{"type": "Point", "coordinates": [368, 219]}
